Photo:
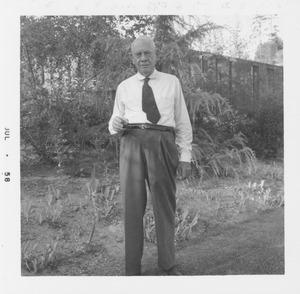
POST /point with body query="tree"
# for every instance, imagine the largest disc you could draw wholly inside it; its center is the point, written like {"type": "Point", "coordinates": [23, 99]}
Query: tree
{"type": "Point", "coordinates": [133, 25]}
{"type": "Point", "coordinates": [55, 66]}
{"type": "Point", "coordinates": [58, 47]}
{"type": "Point", "coordinates": [238, 46]}
{"type": "Point", "coordinates": [270, 51]}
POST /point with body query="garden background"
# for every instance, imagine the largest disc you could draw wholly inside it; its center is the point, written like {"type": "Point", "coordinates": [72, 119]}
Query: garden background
{"type": "Point", "coordinates": [71, 222]}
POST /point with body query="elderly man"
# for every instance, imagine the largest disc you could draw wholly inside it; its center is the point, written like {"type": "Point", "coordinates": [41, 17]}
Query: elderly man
{"type": "Point", "coordinates": [151, 112]}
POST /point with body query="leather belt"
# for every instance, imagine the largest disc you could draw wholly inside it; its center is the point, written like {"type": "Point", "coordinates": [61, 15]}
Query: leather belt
{"type": "Point", "coordinates": [147, 126]}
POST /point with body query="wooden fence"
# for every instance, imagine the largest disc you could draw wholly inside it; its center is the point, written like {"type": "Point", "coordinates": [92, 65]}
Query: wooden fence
{"type": "Point", "coordinates": [245, 83]}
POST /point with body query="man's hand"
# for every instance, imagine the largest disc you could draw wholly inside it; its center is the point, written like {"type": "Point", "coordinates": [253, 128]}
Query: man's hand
{"type": "Point", "coordinates": [184, 170]}
{"type": "Point", "coordinates": [118, 123]}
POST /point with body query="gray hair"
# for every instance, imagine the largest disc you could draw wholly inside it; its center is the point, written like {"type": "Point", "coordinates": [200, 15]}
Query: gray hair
{"type": "Point", "coordinates": [145, 38]}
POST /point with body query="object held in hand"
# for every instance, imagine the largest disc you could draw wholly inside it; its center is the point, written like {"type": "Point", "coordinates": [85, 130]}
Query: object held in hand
{"type": "Point", "coordinates": [125, 121]}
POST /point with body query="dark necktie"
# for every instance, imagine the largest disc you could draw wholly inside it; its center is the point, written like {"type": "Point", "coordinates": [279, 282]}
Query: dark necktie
{"type": "Point", "coordinates": [148, 103]}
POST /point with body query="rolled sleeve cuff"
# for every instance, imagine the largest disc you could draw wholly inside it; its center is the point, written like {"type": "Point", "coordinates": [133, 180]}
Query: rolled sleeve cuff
{"type": "Point", "coordinates": [185, 155]}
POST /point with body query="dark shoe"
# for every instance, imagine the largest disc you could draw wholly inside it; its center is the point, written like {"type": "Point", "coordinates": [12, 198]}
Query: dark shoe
{"type": "Point", "coordinates": [172, 272]}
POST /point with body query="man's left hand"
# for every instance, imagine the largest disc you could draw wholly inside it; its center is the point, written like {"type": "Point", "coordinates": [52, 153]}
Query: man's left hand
{"type": "Point", "coordinates": [184, 170]}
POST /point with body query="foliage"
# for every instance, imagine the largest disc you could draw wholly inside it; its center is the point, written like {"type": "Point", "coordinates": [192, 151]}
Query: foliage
{"type": "Point", "coordinates": [35, 261]}
{"type": "Point", "coordinates": [26, 208]}
{"type": "Point", "coordinates": [264, 130]}
{"type": "Point", "coordinates": [58, 113]}
{"type": "Point", "coordinates": [133, 25]}
{"type": "Point", "coordinates": [55, 206]}
{"type": "Point", "coordinates": [238, 45]}
{"type": "Point", "coordinates": [184, 223]}
{"type": "Point", "coordinates": [218, 146]}
{"type": "Point", "coordinates": [58, 127]}
{"type": "Point", "coordinates": [111, 61]}
{"type": "Point", "coordinates": [268, 53]}
{"type": "Point", "coordinates": [103, 200]}
{"type": "Point", "coordinates": [259, 193]}
{"type": "Point", "coordinates": [185, 220]}
{"type": "Point", "coordinates": [226, 41]}
{"type": "Point", "coordinates": [249, 126]}
{"type": "Point", "coordinates": [149, 226]}
{"type": "Point", "coordinates": [272, 126]}
{"type": "Point", "coordinates": [53, 195]}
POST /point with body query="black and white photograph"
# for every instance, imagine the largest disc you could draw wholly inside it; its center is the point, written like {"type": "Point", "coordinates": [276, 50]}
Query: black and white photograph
{"type": "Point", "coordinates": [149, 144]}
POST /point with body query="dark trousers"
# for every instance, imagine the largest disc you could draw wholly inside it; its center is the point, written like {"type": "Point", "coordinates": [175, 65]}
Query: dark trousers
{"type": "Point", "coordinates": [148, 156]}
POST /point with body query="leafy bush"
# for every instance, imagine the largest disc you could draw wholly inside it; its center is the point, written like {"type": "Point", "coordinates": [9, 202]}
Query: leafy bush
{"type": "Point", "coordinates": [264, 131]}
{"type": "Point", "coordinates": [59, 115]}
{"type": "Point", "coordinates": [249, 126]}
{"type": "Point", "coordinates": [218, 149]}
{"type": "Point", "coordinates": [58, 128]}
{"type": "Point", "coordinates": [41, 126]}
{"type": "Point", "coordinates": [271, 113]}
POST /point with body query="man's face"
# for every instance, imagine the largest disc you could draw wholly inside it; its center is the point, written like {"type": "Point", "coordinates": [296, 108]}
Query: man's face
{"type": "Point", "coordinates": [143, 57]}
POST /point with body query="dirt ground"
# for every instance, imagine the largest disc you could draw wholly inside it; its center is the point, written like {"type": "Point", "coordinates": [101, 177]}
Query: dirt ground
{"type": "Point", "coordinates": [247, 242]}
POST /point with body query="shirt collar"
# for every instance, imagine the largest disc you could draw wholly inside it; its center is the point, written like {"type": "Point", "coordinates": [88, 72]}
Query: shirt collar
{"type": "Point", "coordinates": [152, 76]}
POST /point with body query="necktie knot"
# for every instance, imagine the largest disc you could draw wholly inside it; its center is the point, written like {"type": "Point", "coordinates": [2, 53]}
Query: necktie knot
{"type": "Point", "coordinates": [146, 80]}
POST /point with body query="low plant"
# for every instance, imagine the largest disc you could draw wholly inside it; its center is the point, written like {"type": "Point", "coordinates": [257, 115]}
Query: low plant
{"type": "Point", "coordinates": [103, 200]}
{"type": "Point", "coordinates": [185, 220]}
{"type": "Point", "coordinates": [55, 206]}
{"type": "Point", "coordinates": [261, 194]}
{"type": "Point", "coordinates": [57, 211]}
{"type": "Point", "coordinates": [53, 195]}
{"type": "Point", "coordinates": [42, 217]}
{"type": "Point", "coordinates": [33, 260]}
{"type": "Point", "coordinates": [149, 227]}
{"type": "Point", "coordinates": [109, 201]}
{"type": "Point", "coordinates": [271, 172]}
{"type": "Point", "coordinates": [90, 188]}
{"type": "Point", "coordinates": [26, 208]}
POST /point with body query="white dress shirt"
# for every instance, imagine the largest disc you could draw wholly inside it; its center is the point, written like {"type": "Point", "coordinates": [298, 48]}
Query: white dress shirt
{"type": "Point", "coordinates": [170, 102]}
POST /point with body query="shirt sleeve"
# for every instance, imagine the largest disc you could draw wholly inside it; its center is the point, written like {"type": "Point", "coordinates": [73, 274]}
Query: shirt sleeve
{"type": "Point", "coordinates": [118, 110]}
{"type": "Point", "coordinates": [183, 129]}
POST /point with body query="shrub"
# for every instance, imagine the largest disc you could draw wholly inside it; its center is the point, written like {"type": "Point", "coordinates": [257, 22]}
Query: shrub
{"type": "Point", "coordinates": [41, 126]}
{"type": "Point", "coordinates": [264, 130]}
{"type": "Point", "coordinates": [218, 147]}
{"type": "Point", "coordinates": [271, 113]}
{"type": "Point", "coordinates": [59, 127]}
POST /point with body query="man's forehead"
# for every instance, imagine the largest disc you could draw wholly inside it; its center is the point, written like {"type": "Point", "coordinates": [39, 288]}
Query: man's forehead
{"type": "Point", "coordinates": [142, 44]}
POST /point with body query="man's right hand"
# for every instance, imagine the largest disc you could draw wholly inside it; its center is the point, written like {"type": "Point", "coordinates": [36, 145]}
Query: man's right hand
{"type": "Point", "coordinates": [118, 123]}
